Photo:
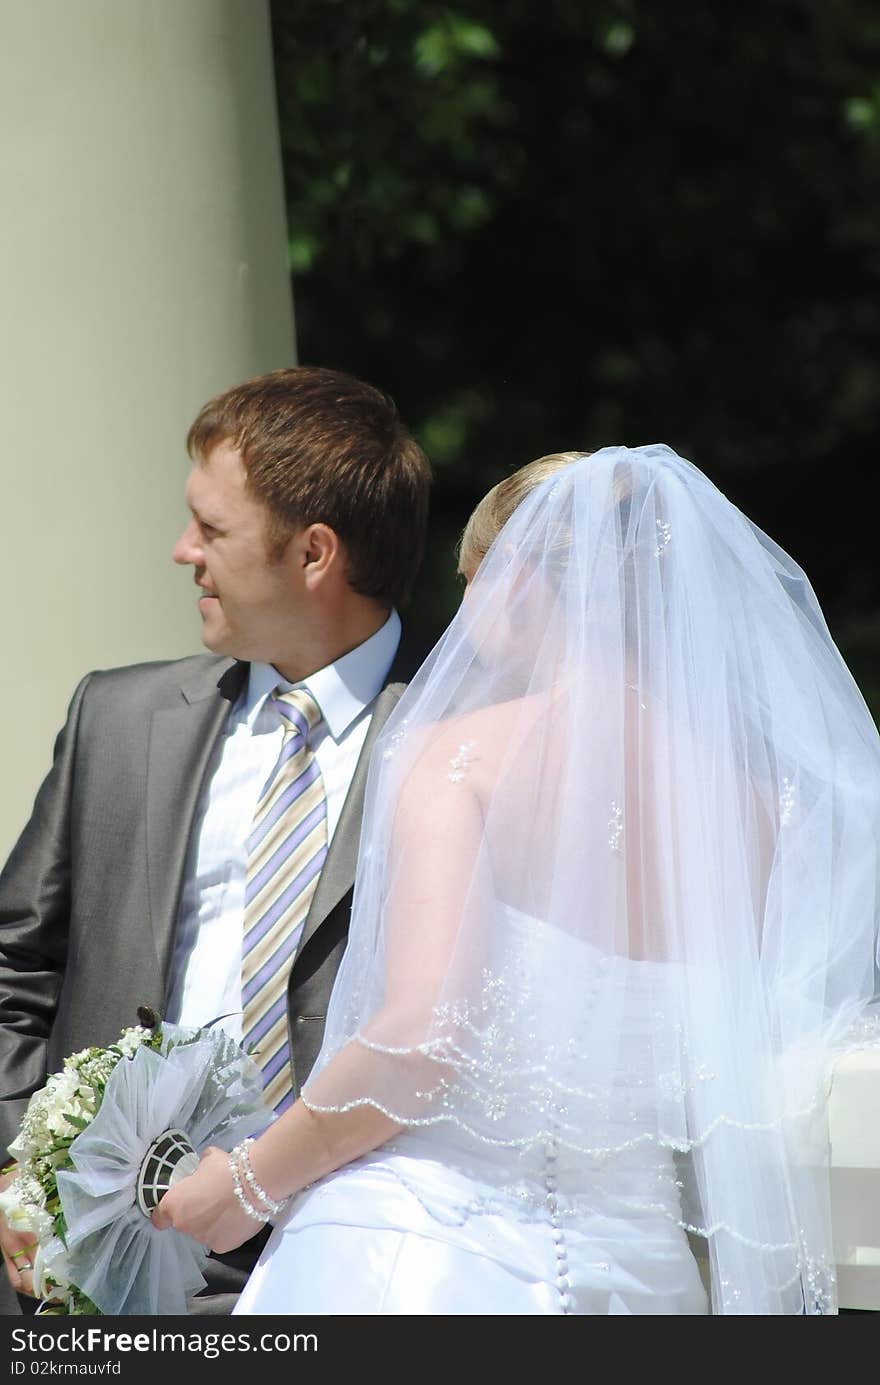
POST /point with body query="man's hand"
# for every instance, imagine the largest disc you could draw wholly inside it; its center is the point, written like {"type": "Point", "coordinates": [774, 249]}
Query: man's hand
{"type": "Point", "coordinates": [19, 1249]}
{"type": "Point", "coordinates": [205, 1207]}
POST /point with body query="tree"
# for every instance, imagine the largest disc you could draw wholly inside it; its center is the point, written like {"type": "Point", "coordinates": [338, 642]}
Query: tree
{"type": "Point", "coordinates": [573, 223]}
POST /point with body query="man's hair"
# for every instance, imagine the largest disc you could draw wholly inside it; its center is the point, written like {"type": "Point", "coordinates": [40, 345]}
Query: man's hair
{"type": "Point", "coordinates": [320, 447]}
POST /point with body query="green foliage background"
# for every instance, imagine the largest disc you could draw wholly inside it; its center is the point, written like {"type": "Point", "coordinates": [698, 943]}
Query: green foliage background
{"type": "Point", "coordinates": [578, 222]}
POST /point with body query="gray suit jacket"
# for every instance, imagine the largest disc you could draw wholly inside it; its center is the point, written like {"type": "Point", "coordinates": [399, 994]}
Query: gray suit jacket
{"type": "Point", "coordinates": [89, 896]}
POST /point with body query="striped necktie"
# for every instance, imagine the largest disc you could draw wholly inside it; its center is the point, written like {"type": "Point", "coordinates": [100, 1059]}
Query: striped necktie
{"type": "Point", "coordinates": [286, 850]}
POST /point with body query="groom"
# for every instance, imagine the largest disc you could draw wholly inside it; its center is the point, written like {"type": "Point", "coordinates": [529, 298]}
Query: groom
{"type": "Point", "coordinates": [308, 503]}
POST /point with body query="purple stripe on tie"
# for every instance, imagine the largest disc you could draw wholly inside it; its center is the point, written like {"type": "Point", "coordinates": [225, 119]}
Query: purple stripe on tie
{"type": "Point", "coordinates": [284, 849]}
{"type": "Point", "coordinates": [282, 1105]}
{"type": "Point", "coordinates": [270, 969]}
{"type": "Point", "coordinates": [289, 796]}
{"type": "Point", "coordinates": [292, 744]}
{"type": "Point", "coordinates": [288, 750]}
{"type": "Point", "coordinates": [293, 714]}
{"type": "Point", "coordinates": [273, 1013]}
{"type": "Point", "coordinates": [277, 1063]}
{"type": "Point", "coordinates": [284, 900]}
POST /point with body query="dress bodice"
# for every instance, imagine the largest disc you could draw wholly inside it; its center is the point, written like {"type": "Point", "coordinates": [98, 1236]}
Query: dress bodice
{"type": "Point", "coordinates": [571, 1043]}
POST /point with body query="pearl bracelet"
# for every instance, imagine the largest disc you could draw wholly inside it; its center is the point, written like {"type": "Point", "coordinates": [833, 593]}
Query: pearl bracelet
{"type": "Point", "coordinates": [240, 1193]}
{"type": "Point", "coordinates": [242, 1152]}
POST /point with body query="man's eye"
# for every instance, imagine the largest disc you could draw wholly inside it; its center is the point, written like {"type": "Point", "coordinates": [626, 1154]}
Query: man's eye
{"type": "Point", "coordinates": [207, 529]}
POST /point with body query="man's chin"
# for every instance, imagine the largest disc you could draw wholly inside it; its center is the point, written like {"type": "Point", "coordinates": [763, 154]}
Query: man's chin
{"type": "Point", "coordinates": [225, 643]}
{"type": "Point", "coordinates": [218, 641]}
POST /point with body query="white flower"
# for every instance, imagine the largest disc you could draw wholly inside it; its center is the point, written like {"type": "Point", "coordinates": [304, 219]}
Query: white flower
{"type": "Point", "coordinates": [25, 1189]}
{"type": "Point", "coordinates": [23, 1217]}
{"type": "Point", "coordinates": [77, 1059]}
{"type": "Point", "coordinates": [33, 1135]}
{"type": "Point", "coordinates": [10, 1202]}
{"type": "Point", "coordinates": [60, 1122]}
{"type": "Point", "coordinates": [88, 1098]}
{"type": "Point", "coordinates": [131, 1039]}
{"type": "Point", "coordinates": [62, 1086]}
{"type": "Point", "coordinates": [51, 1273]}
{"type": "Point", "coordinates": [67, 1095]}
{"type": "Point", "coordinates": [22, 1147]}
{"type": "Point", "coordinates": [95, 1071]}
{"type": "Point", "coordinates": [24, 1206]}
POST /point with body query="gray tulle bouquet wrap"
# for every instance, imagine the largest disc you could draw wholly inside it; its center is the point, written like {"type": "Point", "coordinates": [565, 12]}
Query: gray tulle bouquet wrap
{"type": "Point", "coordinates": [98, 1146]}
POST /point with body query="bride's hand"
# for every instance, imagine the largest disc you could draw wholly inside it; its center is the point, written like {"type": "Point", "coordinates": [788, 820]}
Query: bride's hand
{"type": "Point", "coordinates": [205, 1207]}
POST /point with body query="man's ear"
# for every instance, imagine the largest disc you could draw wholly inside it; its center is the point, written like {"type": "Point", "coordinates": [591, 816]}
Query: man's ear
{"type": "Point", "coordinates": [319, 552]}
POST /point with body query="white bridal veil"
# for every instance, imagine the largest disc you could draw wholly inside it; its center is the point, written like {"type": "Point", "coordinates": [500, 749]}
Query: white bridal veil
{"type": "Point", "coordinates": [619, 868]}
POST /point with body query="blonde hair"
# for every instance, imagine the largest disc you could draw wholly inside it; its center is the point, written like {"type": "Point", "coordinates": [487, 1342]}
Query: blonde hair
{"type": "Point", "coordinates": [495, 509]}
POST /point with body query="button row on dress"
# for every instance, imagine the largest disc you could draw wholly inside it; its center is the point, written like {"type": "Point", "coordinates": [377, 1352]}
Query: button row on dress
{"type": "Point", "coordinates": [563, 1283]}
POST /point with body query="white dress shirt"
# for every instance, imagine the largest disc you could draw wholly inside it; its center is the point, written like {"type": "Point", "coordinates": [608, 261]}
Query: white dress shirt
{"type": "Point", "coordinates": [206, 965]}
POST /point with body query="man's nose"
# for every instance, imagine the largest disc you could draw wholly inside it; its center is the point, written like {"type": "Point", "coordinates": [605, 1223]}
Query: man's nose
{"type": "Point", "coordinates": [188, 548]}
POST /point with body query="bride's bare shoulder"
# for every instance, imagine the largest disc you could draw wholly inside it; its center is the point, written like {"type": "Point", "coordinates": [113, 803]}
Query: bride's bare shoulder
{"type": "Point", "coordinates": [459, 743]}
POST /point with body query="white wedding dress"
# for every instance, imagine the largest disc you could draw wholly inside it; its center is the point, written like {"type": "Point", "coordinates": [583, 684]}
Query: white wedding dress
{"type": "Point", "coordinates": [440, 1222]}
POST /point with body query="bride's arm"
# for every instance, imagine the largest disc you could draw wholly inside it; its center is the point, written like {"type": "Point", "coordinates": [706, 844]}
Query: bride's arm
{"type": "Point", "coordinates": [298, 1149]}
{"type": "Point", "coordinates": [436, 840]}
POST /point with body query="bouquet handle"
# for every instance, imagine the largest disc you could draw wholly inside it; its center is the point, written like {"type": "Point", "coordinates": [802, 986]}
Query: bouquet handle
{"type": "Point", "coordinates": [169, 1158]}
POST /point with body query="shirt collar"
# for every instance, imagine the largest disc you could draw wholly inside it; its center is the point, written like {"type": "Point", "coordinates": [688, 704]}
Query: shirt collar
{"type": "Point", "coordinates": [342, 689]}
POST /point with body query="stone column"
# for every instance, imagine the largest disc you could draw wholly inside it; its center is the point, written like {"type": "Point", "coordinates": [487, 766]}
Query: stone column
{"type": "Point", "coordinates": [144, 268]}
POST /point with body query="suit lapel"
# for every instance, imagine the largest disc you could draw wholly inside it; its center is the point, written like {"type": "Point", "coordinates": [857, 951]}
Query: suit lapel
{"type": "Point", "coordinates": [337, 875]}
{"type": "Point", "coordinates": [182, 742]}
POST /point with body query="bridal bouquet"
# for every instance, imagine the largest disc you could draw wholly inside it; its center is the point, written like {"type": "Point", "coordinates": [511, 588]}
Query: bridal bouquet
{"type": "Point", "coordinates": [99, 1145]}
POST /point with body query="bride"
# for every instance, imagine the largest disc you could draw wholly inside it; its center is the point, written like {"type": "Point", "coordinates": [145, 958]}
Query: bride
{"type": "Point", "coordinates": [614, 916]}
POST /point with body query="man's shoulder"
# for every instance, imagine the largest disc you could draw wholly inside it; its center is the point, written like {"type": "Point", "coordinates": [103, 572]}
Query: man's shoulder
{"type": "Point", "coordinates": [164, 670]}
{"type": "Point", "coordinates": [196, 676]}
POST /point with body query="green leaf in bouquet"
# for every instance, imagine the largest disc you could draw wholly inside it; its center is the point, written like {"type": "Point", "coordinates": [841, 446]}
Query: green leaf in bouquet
{"type": "Point", "coordinates": [76, 1304]}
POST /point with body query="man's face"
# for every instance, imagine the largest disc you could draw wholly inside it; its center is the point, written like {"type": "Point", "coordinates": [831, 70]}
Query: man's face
{"type": "Point", "coordinates": [249, 603]}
